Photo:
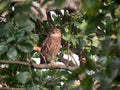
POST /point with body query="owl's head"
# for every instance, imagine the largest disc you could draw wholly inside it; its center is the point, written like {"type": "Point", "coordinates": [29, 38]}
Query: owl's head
{"type": "Point", "coordinates": [55, 32]}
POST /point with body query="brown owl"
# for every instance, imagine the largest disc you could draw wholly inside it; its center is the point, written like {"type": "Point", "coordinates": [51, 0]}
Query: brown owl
{"type": "Point", "coordinates": [51, 46]}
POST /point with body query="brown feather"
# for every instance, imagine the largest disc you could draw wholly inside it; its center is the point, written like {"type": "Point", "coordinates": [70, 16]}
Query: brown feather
{"type": "Point", "coordinates": [51, 46]}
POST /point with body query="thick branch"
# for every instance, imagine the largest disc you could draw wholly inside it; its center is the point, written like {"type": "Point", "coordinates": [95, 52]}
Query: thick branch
{"type": "Point", "coordinates": [8, 88]}
{"type": "Point", "coordinates": [38, 66]}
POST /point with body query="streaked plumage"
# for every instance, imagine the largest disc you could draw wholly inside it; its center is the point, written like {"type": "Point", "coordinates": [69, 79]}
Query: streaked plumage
{"type": "Point", "coordinates": [51, 46]}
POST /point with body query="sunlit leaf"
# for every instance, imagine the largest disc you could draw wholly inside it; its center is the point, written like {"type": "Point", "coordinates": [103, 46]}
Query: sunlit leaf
{"type": "Point", "coordinates": [66, 37]}
{"type": "Point", "coordinates": [96, 42]}
{"type": "Point", "coordinates": [82, 25]}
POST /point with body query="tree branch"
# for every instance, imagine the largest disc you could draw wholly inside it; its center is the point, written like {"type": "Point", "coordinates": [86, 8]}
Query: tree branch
{"type": "Point", "coordinates": [38, 66]}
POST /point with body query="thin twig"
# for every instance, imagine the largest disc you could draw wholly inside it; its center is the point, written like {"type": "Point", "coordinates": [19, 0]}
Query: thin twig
{"type": "Point", "coordinates": [30, 68]}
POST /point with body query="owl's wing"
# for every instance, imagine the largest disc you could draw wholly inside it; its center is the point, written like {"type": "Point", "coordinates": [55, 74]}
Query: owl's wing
{"type": "Point", "coordinates": [46, 45]}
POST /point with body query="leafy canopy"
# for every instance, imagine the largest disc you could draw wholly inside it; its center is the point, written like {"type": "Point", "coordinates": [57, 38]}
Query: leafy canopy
{"type": "Point", "coordinates": [94, 31]}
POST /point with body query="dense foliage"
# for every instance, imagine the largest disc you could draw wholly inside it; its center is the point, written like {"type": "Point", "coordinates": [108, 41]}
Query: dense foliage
{"type": "Point", "coordinates": [94, 32]}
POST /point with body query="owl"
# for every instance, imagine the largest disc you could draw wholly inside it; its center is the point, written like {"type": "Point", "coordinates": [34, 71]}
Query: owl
{"type": "Point", "coordinates": [51, 46]}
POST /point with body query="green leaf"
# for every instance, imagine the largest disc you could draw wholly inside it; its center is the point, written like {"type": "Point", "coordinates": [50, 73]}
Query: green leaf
{"type": "Point", "coordinates": [34, 37]}
{"type": "Point", "coordinates": [73, 40]}
{"type": "Point", "coordinates": [107, 46]}
{"type": "Point", "coordinates": [3, 48]}
{"type": "Point", "coordinates": [22, 11]}
{"type": "Point", "coordinates": [75, 73]}
{"type": "Point", "coordinates": [25, 47]}
{"type": "Point", "coordinates": [9, 26]}
{"type": "Point", "coordinates": [119, 39]}
{"type": "Point", "coordinates": [113, 68]}
{"type": "Point", "coordinates": [66, 37]}
{"type": "Point", "coordinates": [10, 39]}
{"type": "Point", "coordinates": [59, 3]}
{"type": "Point", "coordinates": [82, 25]}
{"type": "Point", "coordinates": [6, 29]}
{"type": "Point", "coordinates": [91, 64]}
{"type": "Point", "coordinates": [12, 53]}
{"type": "Point", "coordinates": [82, 41]}
{"type": "Point", "coordinates": [86, 83]}
{"type": "Point", "coordinates": [96, 41]}
{"type": "Point", "coordinates": [27, 26]}
{"type": "Point", "coordinates": [4, 4]}
{"type": "Point", "coordinates": [20, 35]}
{"type": "Point", "coordinates": [91, 6]}
{"type": "Point", "coordinates": [23, 77]}
{"type": "Point", "coordinates": [57, 88]}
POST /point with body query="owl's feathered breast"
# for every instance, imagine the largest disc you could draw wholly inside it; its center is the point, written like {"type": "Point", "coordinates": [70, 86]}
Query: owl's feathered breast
{"type": "Point", "coordinates": [51, 47]}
